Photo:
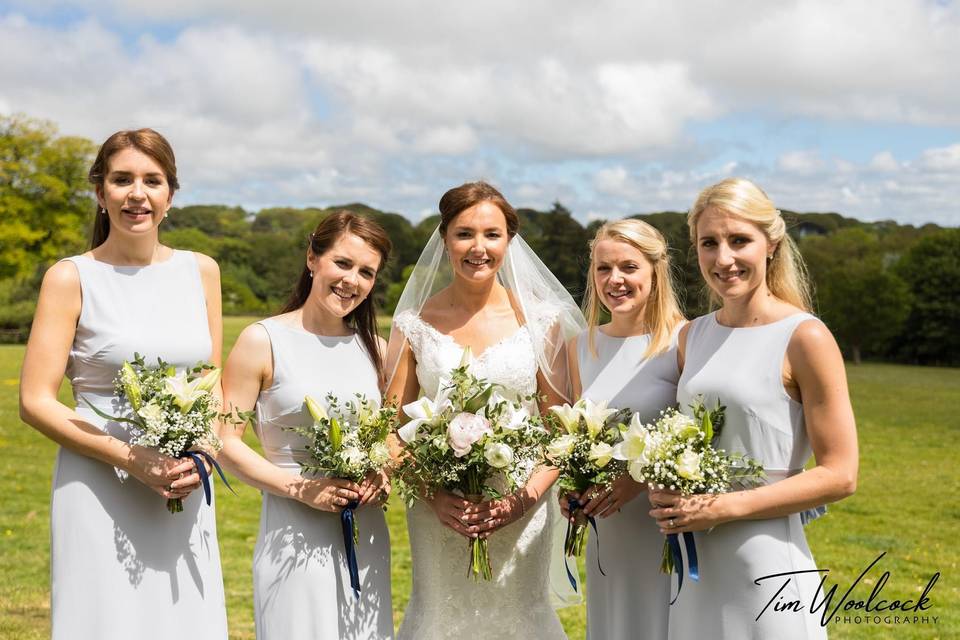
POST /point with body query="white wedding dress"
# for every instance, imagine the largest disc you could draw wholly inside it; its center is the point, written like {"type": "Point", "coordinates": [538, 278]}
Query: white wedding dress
{"type": "Point", "coordinates": [444, 601]}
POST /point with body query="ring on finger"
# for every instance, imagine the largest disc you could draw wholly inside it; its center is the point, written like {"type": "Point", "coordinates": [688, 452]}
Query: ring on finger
{"type": "Point", "coordinates": [672, 522]}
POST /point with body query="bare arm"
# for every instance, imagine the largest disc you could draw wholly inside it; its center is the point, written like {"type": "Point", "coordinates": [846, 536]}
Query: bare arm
{"type": "Point", "coordinates": [44, 364]}
{"type": "Point", "coordinates": [816, 366]}
{"type": "Point", "coordinates": [249, 368]}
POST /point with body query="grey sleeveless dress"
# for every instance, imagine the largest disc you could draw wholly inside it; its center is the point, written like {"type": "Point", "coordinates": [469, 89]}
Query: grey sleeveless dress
{"type": "Point", "coordinates": [301, 584]}
{"type": "Point", "coordinates": [743, 368]}
{"type": "Point", "coordinates": [632, 599]}
{"type": "Point", "coordinates": [122, 566]}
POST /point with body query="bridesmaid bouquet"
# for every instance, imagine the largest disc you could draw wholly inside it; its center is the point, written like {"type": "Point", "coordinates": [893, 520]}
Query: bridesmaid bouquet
{"type": "Point", "coordinates": [472, 440]}
{"type": "Point", "coordinates": [349, 441]}
{"type": "Point", "coordinates": [172, 412]}
{"type": "Point", "coordinates": [582, 450]}
{"type": "Point", "coordinates": [676, 452]}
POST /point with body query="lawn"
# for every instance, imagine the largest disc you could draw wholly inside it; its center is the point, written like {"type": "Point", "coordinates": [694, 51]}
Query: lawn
{"type": "Point", "coordinates": [907, 505]}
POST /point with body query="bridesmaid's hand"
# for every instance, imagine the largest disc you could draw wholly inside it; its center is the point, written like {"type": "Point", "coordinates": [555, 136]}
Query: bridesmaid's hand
{"type": "Point", "coordinates": [604, 501]}
{"type": "Point", "coordinates": [169, 477]}
{"type": "Point", "coordinates": [374, 488]}
{"type": "Point", "coordinates": [563, 499]}
{"type": "Point", "coordinates": [325, 494]}
{"type": "Point", "coordinates": [676, 513]}
{"type": "Point", "coordinates": [449, 509]}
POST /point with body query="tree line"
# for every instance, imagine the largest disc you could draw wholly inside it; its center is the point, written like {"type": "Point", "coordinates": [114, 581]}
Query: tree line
{"type": "Point", "coordinates": [887, 291]}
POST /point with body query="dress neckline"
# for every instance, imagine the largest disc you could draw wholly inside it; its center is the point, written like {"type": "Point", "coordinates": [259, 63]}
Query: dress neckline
{"type": "Point", "coordinates": [174, 255]}
{"type": "Point", "coordinates": [758, 326]}
{"type": "Point", "coordinates": [477, 356]}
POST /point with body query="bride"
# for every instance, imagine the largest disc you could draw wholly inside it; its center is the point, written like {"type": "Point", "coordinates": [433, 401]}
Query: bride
{"type": "Point", "coordinates": [479, 285]}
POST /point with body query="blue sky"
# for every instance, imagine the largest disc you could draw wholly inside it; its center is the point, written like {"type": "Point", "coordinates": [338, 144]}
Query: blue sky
{"type": "Point", "coordinates": [610, 107]}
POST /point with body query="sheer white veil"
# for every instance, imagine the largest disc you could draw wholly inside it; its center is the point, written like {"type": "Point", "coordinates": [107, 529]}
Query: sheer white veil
{"type": "Point", "coordinates": [551, 316]}
{"type": "Point", "coordinates": [541, 303]}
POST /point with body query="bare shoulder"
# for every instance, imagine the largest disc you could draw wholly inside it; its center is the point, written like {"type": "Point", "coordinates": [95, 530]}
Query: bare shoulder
{"type": "Point", "coordinates": [811, 338]}
{"type": "Point", "coordinates": [208, 266]}
{"type": "Point", "coordinates": [382, 344]}
{"type": "Point", "coordinates": [62, 278]}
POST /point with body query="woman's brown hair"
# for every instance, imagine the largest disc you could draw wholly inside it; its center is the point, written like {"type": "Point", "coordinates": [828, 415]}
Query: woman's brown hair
{"type": "Point", "coordinates": [470, 194]}
{"type": "Point", "coordinates": [146, 141]}
{"type": "Point", "coordinates": [363, 319]}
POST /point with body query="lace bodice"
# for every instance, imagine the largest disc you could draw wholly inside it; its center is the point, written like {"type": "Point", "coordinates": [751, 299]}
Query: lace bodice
{"type": "Point", "coordinates": [444, 602]}
{"type": "Point", "coordinates": [510, 362]}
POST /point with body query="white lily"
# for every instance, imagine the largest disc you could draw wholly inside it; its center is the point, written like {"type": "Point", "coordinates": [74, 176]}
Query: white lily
{"type": "Point", "coordinates": [594, 415]}
{"type": "Point", "coordinates": [184, 392]}
{"type": "Point", "coordinates": [317, 411]}
{"type": "Point", "coordinates": [634, 442]}
{"type": "Point", "coordinates": [467, 358]}
{"type": "Point", "coordinates": [209, 381]}
{"type": "Point", "coordinates": [569, 416]}
{"type": "Point", "coordinates": [513, 417]}
{"type": "Point", "coordinates": [421, 412]}
{"type": "Point", "coordinates": [600, 453]}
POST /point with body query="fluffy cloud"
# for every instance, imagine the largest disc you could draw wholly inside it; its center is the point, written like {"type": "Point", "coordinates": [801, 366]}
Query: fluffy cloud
{"type": "Point", "coordinates": [594, 104]}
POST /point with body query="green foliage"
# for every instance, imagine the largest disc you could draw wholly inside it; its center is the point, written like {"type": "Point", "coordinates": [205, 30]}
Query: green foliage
{"type": "Point", "coordinates": [932, 269]}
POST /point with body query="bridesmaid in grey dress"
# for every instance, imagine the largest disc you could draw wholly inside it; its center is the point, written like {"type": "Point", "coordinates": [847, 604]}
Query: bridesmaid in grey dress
{"type": "Point", "coordinates": [323, 342]}
{"type": "Point", "coordinates": [121, 565]}
{"type": "Point", "coordinates": [629, 363]}
{"type": "Point", "coordinates": [780, 374]}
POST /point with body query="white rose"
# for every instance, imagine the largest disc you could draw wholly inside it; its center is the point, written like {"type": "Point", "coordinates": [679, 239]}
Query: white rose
{"type": "Point", "coordinates": [688, 465]}
{"type": "Point", "coordinates": [352, 455]}
{"type": "Point", "coordinates": [682, 426]}
{"type": "Point", "coordinates": [561, 446]}
{"type": "Point", "coordinates": [600, 453]}
{"type": "Point", "coordinates": [464, 430]}
{"type": "Point", "coordinates": [379, 453]}
{"type": "Point", "coordinates": [151, 413]}
{"type": "Point", "coordinates": [498, 454]}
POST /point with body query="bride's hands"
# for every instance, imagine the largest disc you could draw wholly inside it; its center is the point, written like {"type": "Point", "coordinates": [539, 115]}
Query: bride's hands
{"type": "Point", "coordinates": [325, 494]}
{"type": "Point", "coordinates": [676, 513]}
{"type": "Point", "coordinates": [450, 511]}
{"type": "Point", "coordinates": [488, 516]}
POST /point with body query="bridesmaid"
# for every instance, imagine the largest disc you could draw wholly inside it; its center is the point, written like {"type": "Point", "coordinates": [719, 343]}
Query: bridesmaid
{"type": "Point", "coordinates": [323, 342]}
{"type": "Point", "coordinates": [629, 363]}
{"type": "Point", "coordinates": [779, 372]}
{"type": "Point", "coordinates": [118, 557]}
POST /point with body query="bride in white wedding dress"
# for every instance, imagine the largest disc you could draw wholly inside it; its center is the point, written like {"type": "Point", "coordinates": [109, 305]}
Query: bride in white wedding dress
{"type": "Point", "coordinates": [478, 285]}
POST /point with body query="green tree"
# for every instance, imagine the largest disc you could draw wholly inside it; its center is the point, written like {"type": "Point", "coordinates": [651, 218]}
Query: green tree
{"type": "Point", "coordinates": [932, 270]}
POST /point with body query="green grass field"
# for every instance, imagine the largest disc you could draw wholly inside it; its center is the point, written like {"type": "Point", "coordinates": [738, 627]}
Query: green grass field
{"type": "Point", "coordinates": [907, 505]}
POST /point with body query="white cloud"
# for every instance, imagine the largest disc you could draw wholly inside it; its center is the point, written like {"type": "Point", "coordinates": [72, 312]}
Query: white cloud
{"type": "Point", "coordinates": [801, 162]}
{"type": "Point", "coordinates": [885, 162]}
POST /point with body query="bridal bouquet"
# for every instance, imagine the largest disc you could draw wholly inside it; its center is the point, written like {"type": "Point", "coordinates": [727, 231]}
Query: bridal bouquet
{"type": "Point", "coordinates": [676, 452]}
{"type": "Point", "coordinates": [172, 412]}
{"type": "Point", "coordinates": [348, 440]}
{"type": "Point", "coordinates": [582, 449]}
{"type": "Point", "coordinates": [472, 440]}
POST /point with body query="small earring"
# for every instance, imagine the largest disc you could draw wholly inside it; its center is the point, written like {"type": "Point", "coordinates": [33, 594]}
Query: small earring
{"type": "Point", "coordinates": [311, 274]}
{"type": "Point", "coordinates": [166, 214]}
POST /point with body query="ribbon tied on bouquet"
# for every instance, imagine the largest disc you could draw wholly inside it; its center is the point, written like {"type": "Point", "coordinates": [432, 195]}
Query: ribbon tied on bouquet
{"type": "Point", "coordinates": [573, 504]}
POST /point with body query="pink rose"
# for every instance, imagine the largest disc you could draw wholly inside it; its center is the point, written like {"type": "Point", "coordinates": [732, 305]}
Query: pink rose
{"type": "Point", "coordinates": [464, 430]}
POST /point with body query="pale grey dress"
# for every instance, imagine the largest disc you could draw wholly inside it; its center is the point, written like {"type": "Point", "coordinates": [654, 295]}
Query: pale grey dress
{"type": "Point", "coordinates": [743, 368]}
{"type": "Point", "coordinates": [632, 599]}
{"type": "Point", "coordinates": [301, 583]}
{"type": "Point", "coordinates": [121, 565]}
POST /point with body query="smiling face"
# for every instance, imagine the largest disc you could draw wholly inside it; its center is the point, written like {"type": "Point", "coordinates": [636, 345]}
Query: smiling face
{"type": "Point", "coordinates": [622, 275]}
{"type": "Point", "coordinates": [476, 241]}
{"type": "Point", "coordinates": [732, 253]}
{"type": "Point", "coordinates": [135, 192]}
{"type": "Point", "coordinates": [344, 274]}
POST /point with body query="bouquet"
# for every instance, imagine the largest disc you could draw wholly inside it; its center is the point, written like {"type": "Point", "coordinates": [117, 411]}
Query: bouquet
{"type": "Point", "coordinates": [676, 452]}
{"type": "Point", "coordinates": [172, 413]}
{"type": "Point", "coordinates": [472, 440]}
{"type": "Point", "coordinates": [348, 441]}
{"type": "Point", "coordinates": [582, 450]}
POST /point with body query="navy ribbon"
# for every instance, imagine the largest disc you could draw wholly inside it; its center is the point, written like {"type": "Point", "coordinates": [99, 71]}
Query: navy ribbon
{"type": "Point", "coordinates": [673, 540]}
{"type": "Point", "coordinates": [572, 505]}
{"type": "Point", "coordinates": [198, 457]}
{"type": "Point", "coordinates": [347, 524]}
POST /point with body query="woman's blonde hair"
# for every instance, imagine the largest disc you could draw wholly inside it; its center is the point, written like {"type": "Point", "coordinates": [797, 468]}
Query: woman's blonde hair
{"type": "Point", "coordinates": [661, 313]}
{"type": "Point", "coordinates": [786, 271]}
